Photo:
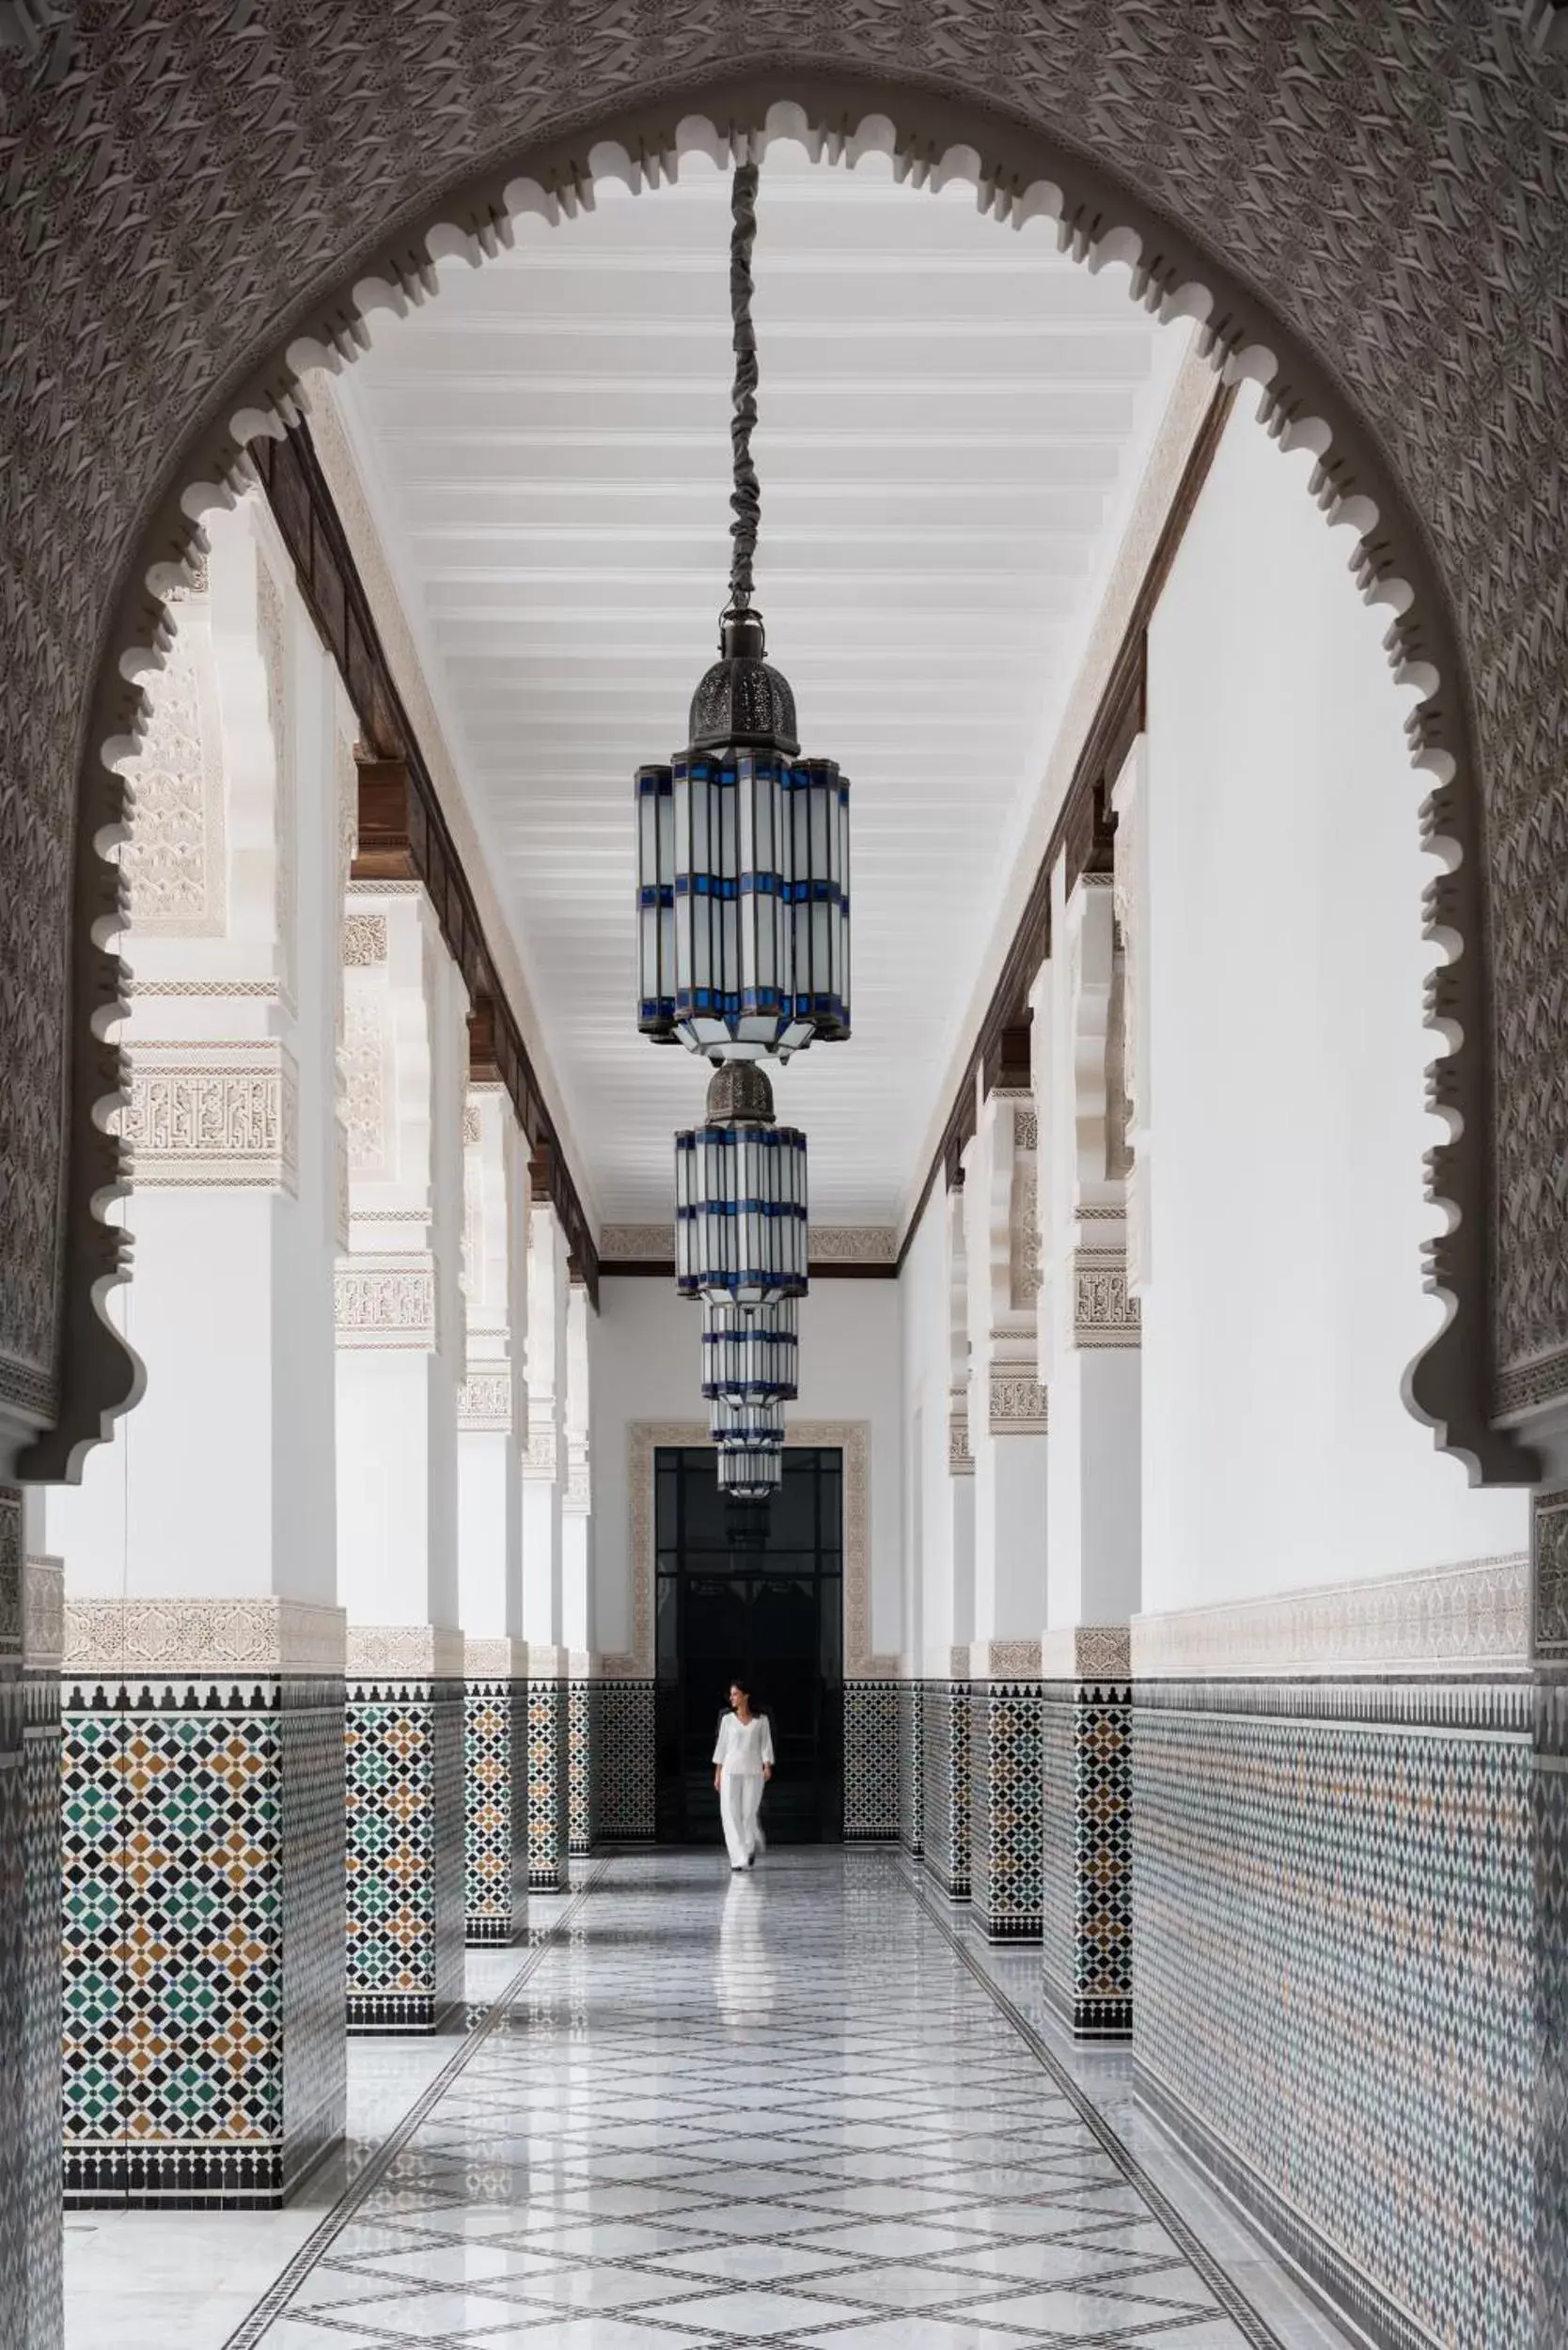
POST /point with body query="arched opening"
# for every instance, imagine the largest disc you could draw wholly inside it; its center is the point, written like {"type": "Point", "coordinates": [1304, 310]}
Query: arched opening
{"type": "Point", "coordinates": [1017, 172]}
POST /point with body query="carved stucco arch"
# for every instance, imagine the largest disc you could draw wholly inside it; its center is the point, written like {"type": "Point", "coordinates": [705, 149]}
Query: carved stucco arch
{"type": "Point", "coordinates": [1266, 164]}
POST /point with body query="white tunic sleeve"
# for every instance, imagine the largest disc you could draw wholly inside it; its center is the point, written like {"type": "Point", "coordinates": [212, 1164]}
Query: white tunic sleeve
{"type": "Point", "coordinates": [726, 1737]}
{"type": "Point", "coordinates": [767, 1742]}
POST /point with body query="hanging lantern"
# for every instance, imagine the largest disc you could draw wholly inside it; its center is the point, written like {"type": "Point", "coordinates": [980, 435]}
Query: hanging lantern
{"type": "Point", "coordinates": [751, 1354]}
{"type": "Point", "coordinates": [751, 1475]}
{"type": "Point", "coordinates": [737, 1425]}
{"type": "Point", "coordinates": [740, 1196]}
{"type": "Point", "coordinates": [743, 846]}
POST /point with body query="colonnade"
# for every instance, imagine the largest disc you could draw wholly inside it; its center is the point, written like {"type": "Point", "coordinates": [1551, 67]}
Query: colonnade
{"type": "Point", "coordinates": [326, 1594]}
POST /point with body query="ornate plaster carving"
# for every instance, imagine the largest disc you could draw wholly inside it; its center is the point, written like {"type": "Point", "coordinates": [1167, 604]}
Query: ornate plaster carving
{"type": "Point", "coordinates": [194, 1637]}
{"type": "Point", "coordinates": [222, 1113]}
{"type": "Point", "coordinates": [404, 1652]}
{"type": "Point", "coordinates": [1087, 1651]}
{"type": "Point", "coordinates": [43, 1615]}
{"type": "Point", "coordinates": [1549, 1544]}
{"type": "Point", "coordinates": [485, 1400]}
{"type": "Point", "coordinates": [1319, 246]}
{"type": "Point", "coordinates": [495, 1659]}
{"type": "Point", "coordinates": [853, 1438]}
{"type": "Point", "coordinates": [12, 1562]}
{"type": "Point", "coordinates": [173, 860]}
{"type": "Point", "coordinates": [1104, 1311]}
{"type": "Point", "coordinates": [389, 1302]}
{"type": "Point", "coordinates": [364, 940]}
{"type": "Point", "coordinates": [961, 1461]}
{"type": "Point", "coordinates": [1004, 1660]}
{"type": "Point", "coordinates": [1019, 1405]}
{"type": "Point", "coordinates": [1474, 1617]}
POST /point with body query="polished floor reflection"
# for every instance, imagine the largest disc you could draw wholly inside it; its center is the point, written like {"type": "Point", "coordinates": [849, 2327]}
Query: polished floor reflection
{"type": "Point", "coordinates": [781, 2108]}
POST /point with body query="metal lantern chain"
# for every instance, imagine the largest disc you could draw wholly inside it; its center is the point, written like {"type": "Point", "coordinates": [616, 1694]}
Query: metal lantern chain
{"type": "Point", "coordinates": [745, 498]}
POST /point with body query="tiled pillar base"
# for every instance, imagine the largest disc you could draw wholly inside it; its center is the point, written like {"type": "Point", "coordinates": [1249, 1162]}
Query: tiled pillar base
{"type": "Point", "coordinates": [1086, 1781]}
{"type": "Point", "coordinates": [30, 2297]}
{"type": "Point", "coordinates": [912, 1785]}
{"type": "Point", "coordinates": [579, 1767]}
{"type": "Point", "coordinates": [1003, 1808]}
{"type": "Point", "coordinates": [625, 1763]}
{"type": "Point", "coordinates": [202, 1866]}
{"type": "Point", "coordinates": [549, 1796]}
{"type": "Point", "coordinates": [870, 1761]}
{"type": "Point", "coordinates": [945, 1741]}
{"type": "Point", "coordinates": [496, 1791]}
{"type": "Point", "coordinates": [404, 1733]}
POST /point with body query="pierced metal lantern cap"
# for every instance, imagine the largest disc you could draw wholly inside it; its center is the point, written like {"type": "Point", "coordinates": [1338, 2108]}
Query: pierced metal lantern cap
{"type": "Point", "coordinates": [743, 702]}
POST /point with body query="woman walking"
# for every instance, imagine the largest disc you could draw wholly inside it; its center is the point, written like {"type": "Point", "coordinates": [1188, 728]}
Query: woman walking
{"type": "Point", "coordinates": [742, 1765]}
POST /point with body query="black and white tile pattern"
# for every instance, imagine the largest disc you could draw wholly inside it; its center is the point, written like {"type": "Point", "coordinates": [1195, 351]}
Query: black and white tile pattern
{"type": "Point", "coordinates": [778, 2107]}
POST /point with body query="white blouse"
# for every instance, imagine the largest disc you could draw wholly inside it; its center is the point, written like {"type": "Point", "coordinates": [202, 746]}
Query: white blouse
{"type": "Point", "coordinates": [744, 1748]}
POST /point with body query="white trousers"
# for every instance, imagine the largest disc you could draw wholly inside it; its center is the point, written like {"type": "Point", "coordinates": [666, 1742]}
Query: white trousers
{"type": "Point", "coordinates": [739, 1798]}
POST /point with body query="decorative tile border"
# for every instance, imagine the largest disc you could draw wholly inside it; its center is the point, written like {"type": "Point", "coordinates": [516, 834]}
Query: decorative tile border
{"type": "Point", "coordinates": [1337, 1944]}
{"type": "Point", "coordinates": [945, 1771]}
{"type": "Point", "coordinates": [549, 1818]}
{"type": "Point", "coordinates": [405, 1850]}
{"type": "Point", "coordinates": [624, 1762]}
{"type": "Point", "coordinates": [1473, 1617]}
{"type": "Point", "coordinates": [579, 1768]}
{"type": "Point", "coordinates": [1086, 1856]}
{"type": "Point", "coordinates": [911, 1807]}
{"type": "Point", "coordinates": [495, 1799]}
{"type": "Point", "coordinates": [872, 1761]}
{"type": "Point", "coordinates": [1005, 1807]}
{"type": "Point", "coordinates": [203, 1868]}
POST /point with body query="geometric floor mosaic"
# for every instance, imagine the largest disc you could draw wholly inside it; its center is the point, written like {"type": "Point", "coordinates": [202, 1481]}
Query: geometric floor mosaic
{"type": "Point", "coordinates": [811, 2123]}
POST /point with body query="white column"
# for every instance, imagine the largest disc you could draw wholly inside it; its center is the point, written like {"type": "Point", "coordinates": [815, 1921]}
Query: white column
{"type": "Point", "coordinates": [1087, 1324]}
{"type": "Point", "coordinates": [401, 1332]}
{"type": "Point", "coordinates": [544, 1467]}
{"type": "Point", "coordinates": [201, 1548]}
{"type": "Point", "coordinates": [1007, 1402]}
{"type": "Point", "coordinates": [577, 1628]}
{"type": "Point", "coordinates": [492, 1404]}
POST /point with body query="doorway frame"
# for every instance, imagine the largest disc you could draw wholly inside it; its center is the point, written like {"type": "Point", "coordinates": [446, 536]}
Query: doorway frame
{"type": "Point", "coordinates": [852, 1437]}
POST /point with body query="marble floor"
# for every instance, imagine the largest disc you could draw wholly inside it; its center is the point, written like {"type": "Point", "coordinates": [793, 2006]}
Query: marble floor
{"type": "Point", "coordinates": [798, 2106]}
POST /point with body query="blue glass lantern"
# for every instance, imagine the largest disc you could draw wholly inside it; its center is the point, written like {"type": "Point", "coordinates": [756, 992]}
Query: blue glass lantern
{"type": "Point", "coordinates": [743, 883]}
{"type": "Point", "coordinates": [751, 1356]}
{"type": "Point", "coordinates": [740, 1196]}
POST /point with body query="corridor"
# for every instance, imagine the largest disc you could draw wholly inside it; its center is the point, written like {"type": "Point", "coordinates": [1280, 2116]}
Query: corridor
{"type": "Point", "coordinates": [797, 2107]}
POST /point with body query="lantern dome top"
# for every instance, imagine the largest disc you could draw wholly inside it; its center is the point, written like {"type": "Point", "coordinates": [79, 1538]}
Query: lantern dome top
{"type": "Point", "coordinates": [743, 702]}
{"type": "Point", "coordinates": [739, 1094]}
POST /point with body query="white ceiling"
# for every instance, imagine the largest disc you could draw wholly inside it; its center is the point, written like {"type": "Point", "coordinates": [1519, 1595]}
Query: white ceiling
{"type": "Point", "coordinates": [953, 420]}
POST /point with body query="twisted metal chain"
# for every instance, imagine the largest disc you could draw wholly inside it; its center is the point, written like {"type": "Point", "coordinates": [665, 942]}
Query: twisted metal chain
{"type": "Point", "coordinates": [745, 497]}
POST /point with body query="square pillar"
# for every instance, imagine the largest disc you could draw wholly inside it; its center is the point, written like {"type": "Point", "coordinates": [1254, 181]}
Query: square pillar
{"type": "Point", "coordinates": [870, 1761]}
{"type": "Point", "coordinates": [580, 1711]}
{"type": "Point", "coordinates": [624, 1762]}
{"type": "Point", "coordinates": [404, 1860]}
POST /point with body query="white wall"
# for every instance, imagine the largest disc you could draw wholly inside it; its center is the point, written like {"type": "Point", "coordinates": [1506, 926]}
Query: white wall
{"type": "Point", "coordinates": [927, 1375]}
{"type": "Point", "coordinates": [645, 1366]}
{"type": "Point", "coordinates": [1287, 1050]}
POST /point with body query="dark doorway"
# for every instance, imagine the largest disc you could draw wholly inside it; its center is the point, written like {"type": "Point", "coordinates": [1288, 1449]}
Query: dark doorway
{"type": "Point", "coordinates": [754, 1590]}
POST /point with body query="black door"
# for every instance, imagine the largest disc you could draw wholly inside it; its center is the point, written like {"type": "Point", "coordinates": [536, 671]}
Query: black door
{"type": "Point", "coordinates": [751, 1591]}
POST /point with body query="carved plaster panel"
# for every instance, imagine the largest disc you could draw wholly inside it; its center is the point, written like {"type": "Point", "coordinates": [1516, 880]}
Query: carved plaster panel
{"type": "Point", "coordinates": [222, 1113]}
{"type": "Point", "coordinates": [485, 1400]}
{"type": "Point", "coordinates": [386, 1301]}
{"type": "Point", "coordinates": [1104, 1312]}
{"type": "Point", "coordinates": [1549, 1540]}
{"type": "Point", "coordinates": [198, 1636]}
{"type": "Point", "coordinates": [1018, 1404]}
{"type": "Point", "coordinates": [1471, 1618]}
{"type": "Point", "coordinates": [364, 940]}
{"type": "Point", "coordinates": [404, 1652]}
{"type": "Point", "coordinates": [1087, 1652]}
{"type": "Point", "coordinates": [173, 861]}
{"type": "Point", "coordinates": [43, 1615]}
